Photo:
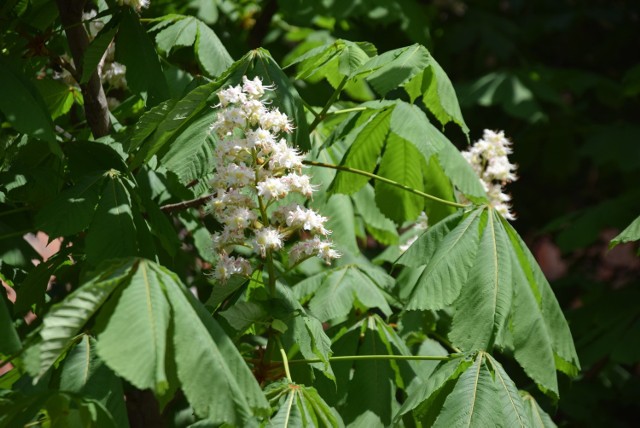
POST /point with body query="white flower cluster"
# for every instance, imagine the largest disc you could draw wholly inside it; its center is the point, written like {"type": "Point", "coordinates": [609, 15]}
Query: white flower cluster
{"type": "Point", "coordinates": [255, 168]}
{"type": "Point", "coordinates": [488, 157]}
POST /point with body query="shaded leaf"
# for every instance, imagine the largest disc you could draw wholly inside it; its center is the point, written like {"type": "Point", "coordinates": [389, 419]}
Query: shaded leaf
{"type": "Point", "coordinates": [84, 373]}
{"type": "Point", "coordinates": [65, 319]}
{"type": "Point", "coordinates": [112, 232]}
{"type": "Point", "coordinates": [95, 51]}
{"type": "Point", "coordinates": [10, 343]}
{"type": "Point", "coordinates": [73, 209]}
{"type": "Point", "coordinates": [23, 106]}
{"type": "Point", "coordinates": [136, 51]}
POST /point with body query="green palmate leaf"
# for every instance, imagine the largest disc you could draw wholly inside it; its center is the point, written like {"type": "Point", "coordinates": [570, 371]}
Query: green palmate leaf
{"type": "Point", "coordinates": [304, 330]}
{"type": "Point", "coordinates": [190, 154]}
{"type": "Point", "coordinates": [363, 153]}
{"type": "Point", "coordinates": [112, 232]}
{"type": "Point", "coordinates": [58, 97]}
{"type": "Point", "coordinates": [243, 314]}
{"type": "Point", "coordinates": [211, 53]}
{"type": "Point", "coordinates": [181, 32]}
{"type": "Point", "coordinates": [402, 163]}
{"type": "Point", "coordinates": [189, 31]}
{"type": "Point", "coordinates": [392, 69]}
{"type": "Point", "coordinates": [22, 105]}
{"type": "Point", "coordinates": [494, 279]}
{"type": "Point", "coordinates": [65, 319]}
{"type": "Point", "coordinates": [63, 409]}
{"type": "Point", "coordinates": [135, 50]}
{"type": "Point", "coordinates": [410, 123]}
{"type": "Point", "coordinates": [334, 293]}
{"type": "Point", "coordinates": [300, 406]}
{"type": "Point", "coordinates": [371, 390]}
{"type": "Point", "coordinates": [132, 334]}
{"type": "Point", "coordinates": [177, 119]}
{"type": "Point", "coordinates": [414, 68]}
{"type": "Point", "coordinates": [84, 373]}
{"type": "Point", "coordinates": [95, 51]}
{"type": "Point", "coordinates": [448, 269]}
{"type": "Point", "coordinates": [32, 290]}
{"type": "Point", "coordinates": [485, 300]}
{"type": "Point", "coordinates": [148, 123]}
{"type": "Point", "coordinates": [379, 226]}
{"type": "Point", "coordinates": [437, 183]}
{"type": "Point", "coordinates": [472, 403]}
{"type": "Point", "coordinates": [341, 56]}
{"type": "Point", "coordinates": [631, 233]}
{"type": "Point", "coordinates": [73, 209]}
{"type": "Point", "coordinates": [513, 408]}
{"type": "Point", "coordinates": [537, 417]}
{"type": "Point", "coordinates": [536, 308]}
{"type": "Point", "coordinates": [438, 94]}
{"type": "Point", "coordinates": [10, 343]}
{"type": "Point", "coordinates": [422, 399]}
{"type": "Point", "coordinates": [207, 360]}
{"type": "Point", "coordinates": [424, 247]}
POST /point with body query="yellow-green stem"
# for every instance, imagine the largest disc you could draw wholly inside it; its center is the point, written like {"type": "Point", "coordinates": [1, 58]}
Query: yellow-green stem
{"type": "Point", "coordinates": [285, 361]}
{"type": "Point", "coordinates": [381, 357]}
{"type": "Point", "coordinates": [320, 117]}
{"type": "Point", "coordinates": [386, 180]}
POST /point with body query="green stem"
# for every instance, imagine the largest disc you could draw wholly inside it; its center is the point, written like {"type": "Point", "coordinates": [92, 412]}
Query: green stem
{"type": "Point", "coordinates": [346, 110]}
{"type": "Point", "coordinates": [310, 108]}
{"type": "Point", "coordinates": [386, 180]}
{"type": "Point", "coordinates": [15, 210]}
{"type": "Point", "coordinates": [381, 357]}
{"type": "Point", "coordinates": [443, 341]}
{"type": "Point", "coordinates": [285, 361]}
{"type": "Point", "coordinates": [320, 117]}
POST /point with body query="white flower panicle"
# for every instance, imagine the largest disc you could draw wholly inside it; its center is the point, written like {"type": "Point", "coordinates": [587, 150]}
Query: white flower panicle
{"type": "Point", "coordinates": [255, 168]}
{"type": "Point", "coordinates": [488, 158]}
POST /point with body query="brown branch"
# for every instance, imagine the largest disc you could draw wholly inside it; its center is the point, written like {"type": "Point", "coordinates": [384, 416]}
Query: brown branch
{"type": "Point", "coordinates": [95, 101]}
{"type": "Point", "coordinates": [180, 206]}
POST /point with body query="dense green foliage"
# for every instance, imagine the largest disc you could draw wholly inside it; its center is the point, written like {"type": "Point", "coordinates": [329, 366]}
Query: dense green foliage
{"type": "Point", "coordinates": [125, 324]}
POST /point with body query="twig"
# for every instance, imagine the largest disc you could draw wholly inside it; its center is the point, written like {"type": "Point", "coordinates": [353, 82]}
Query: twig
{"type": "Point", "coordinates": [181, 206]}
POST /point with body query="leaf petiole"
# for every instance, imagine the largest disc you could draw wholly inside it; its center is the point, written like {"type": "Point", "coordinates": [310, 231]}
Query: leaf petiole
{"type": "Point", "coordinates": [385, 180]}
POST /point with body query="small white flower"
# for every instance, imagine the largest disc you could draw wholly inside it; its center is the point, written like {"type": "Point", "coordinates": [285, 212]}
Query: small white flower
{"type": "Point", "coordinates": [306, 219]}
{"type": "Point", "coordinates": [284, 156]}
{"type": "Point", "coordinates": [299, 183]}
{"type": "Point", "coordinates": [488, 158]}
{"type": "Point", "coordinates": [267, 239]}
{"type": "Point", "coordinates": [273, 188]}
{"type": "Point", "coordinates": [231, 95]}
{"type": "Point", "coordinates": [253, 87]}
{"type": "Point", "coordinates": [239, 218]}
{"type": "Point", "coordinates": [313, 247]}
{"type": "Point", "coordinates": [261, 138]}
{"type": "Point", "coordinates": [228, 266]}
